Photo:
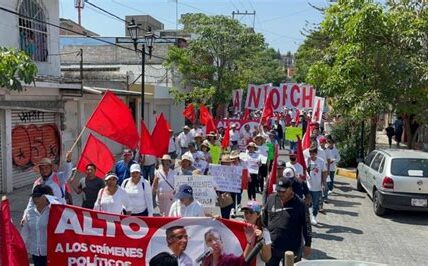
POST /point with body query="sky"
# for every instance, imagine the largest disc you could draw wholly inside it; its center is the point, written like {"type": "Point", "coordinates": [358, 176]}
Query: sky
{"type": "Point", "coordinates": [280, 21]}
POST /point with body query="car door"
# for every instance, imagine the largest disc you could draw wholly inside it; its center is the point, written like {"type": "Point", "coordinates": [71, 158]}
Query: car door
{"type": "Point", "coordinates": [364, 168]}
{"type": "Point", "coordinates": [373, 175]}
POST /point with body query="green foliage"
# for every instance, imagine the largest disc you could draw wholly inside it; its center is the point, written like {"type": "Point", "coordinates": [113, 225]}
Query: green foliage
{"type": "Point", "coordinates": [225, 55]}
{"type": "Point", "coordinates": [15, 67]}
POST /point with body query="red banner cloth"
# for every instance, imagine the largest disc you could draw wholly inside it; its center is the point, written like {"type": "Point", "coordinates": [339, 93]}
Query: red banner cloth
{"type": "Point", "coordinates": [83, 236]}
{"type": "Point", "coordinates": [306, 142]}
{"type": "Point", "coordinates": [161, 136]}
{"type": "Point", "coordinates": [267, 110]}
{"type": "Point", "coordinates": [113, 119]}
{"type": "Point", "coordinates": [226, 139]}
{"type": "Point", "coordinates": [189, 112]}
{"type": "Point", "coordinates": [13, 251]}
{"type": "Point", "coordinates": [299, 155]}
{"type": "Point", "coordinates": [273, 172]}
{"type": "Point", "coordinates": [146, 142]}
{"type": "Point", "coordinates": [206, 119]}
{"type": "Point", "coordinates": [97, 153]}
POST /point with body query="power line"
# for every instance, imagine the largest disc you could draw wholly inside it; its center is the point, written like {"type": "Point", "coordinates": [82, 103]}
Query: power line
{"type": "Point", "coordinates": [69, 30]}
{"type": "Point", "coordinates": [107, 12]}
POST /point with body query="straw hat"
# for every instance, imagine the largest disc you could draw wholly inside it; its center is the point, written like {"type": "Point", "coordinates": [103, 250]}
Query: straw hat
{"type": "Point", "coordinates": [234, 155]}
{"type": "Point", "coordinates": [166, 157]}
{"type": "Point", "coordinates": [251, 145]}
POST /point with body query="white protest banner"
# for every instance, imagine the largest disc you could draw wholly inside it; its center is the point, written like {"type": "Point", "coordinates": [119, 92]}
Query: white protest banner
{"type": "Point", "coordinates": [318, 109]}
{"type": "Point", "coordinates": [237, 100]}
{"type": "Point", "coordinates": [203, 188]}
{"type": "Point", "coordinates": [226, 177]}
{"type": "Point", "coordinates": [290, 95]}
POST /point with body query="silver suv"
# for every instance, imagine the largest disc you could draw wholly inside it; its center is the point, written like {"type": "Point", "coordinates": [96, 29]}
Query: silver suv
{"type": "Point", "coordinates": [395, 179]}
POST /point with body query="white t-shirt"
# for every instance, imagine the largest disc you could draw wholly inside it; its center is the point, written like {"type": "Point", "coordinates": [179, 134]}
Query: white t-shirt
{"type": "Point", "coordinates": [184, 139]}
{"type": "Point", "coordinates": [253, 160]}
{"type": "Point", "coordinates": [234, 135]}
{"type": "Point", "coordinates": [112, 203]}
{"type": "Point", "coordinates": [334, 156]}
{"type": "Point", "coordinates": [315, 176]}
{"type": "Point", "coordinates": [149, 159]}
{"type": "Point", "coordinates": [268, 241]}
{"type": "Point", "coordinates": [140, 196]}
{"type": "Point", "coordinates": [163, 185]}
{"type": "Point", "coordinates": [195, 209]}
{"type": "Point", "coordinates": [297, 167]}
{"type": "Point", "coordinates": [172, 146]}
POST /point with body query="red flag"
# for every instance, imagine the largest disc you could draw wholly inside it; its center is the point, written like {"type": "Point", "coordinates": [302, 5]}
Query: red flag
{"type": "Point", "coordinates": [160, 135]}
{"type": "Point", "coordinates": [146, 143]}
{"type": "Point", "coordinates": [267, 110]}
{"type": "Point", "coordinates": [113, 120]}
{"type": "Point", "coordinates": [273, 172]}
{"type": "Point", "coordinates": [316, 115]}
{"type": "Point", "coordinates": [13, 251]}
{"type": "Point", "coordinates": [299, 155]}
{"type": "Point", "coordinates": [246, 114]}
{"type": "Point", "coordinates": [307, 137]}
{"type": "Point", "coordinates": [189, 112]}
{"type": "Point", "coordinates": [297, 117]}
{"type": "Point", "coordinates": [97, 153]}
{"type": "Point", "coordinates": [226, 139]}
{"type": "Point", "coordinates": [206, 119]}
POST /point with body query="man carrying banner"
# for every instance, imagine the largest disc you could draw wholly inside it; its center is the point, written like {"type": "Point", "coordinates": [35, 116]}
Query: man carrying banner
{"type": "Point", "coordinates": [287, 218]}
{"type": "Point", "coordinates": [185, 205]}
{"type": "Point", "coordinates": [122, 167]}
{"type": "Point", "coordinates": [177, 239]}
{"type": "Point", "coordinates": [90, 185]}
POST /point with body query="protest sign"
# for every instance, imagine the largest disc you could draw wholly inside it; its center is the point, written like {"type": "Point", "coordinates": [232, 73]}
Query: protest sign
{"type": "Point", "coordinates": [78, 236]}
{"type": "Point", "coordinates": [203, 188]}
{"type": "Point", "coordinates": [291, 133]}
{"type": "Point", "coordinates": [226, 177]}
{"type": "Point", "coordinates": [237, 100]}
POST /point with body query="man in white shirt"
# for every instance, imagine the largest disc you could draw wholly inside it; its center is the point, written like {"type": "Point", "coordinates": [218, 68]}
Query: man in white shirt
{"type": "Point", "coordinates": [183, 140]}
{"type": "Point", "coordinates": [234, 137]}
{"type": "Point", "coordinates": [177, 238]}
{"type": "Point", "coordinates": [317, 174]}
{"type": "Point", "coordinates": [297, 167]}
{"type": "Point", "coordinates": [333, 157]}
{"type": "Point", "coordinates": [172, 147]}
{"type": "Point", "coordinates": [186, 205]}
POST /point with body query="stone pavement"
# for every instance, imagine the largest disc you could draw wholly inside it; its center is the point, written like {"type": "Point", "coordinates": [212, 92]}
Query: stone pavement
{"type": "Point", "coordinates": [351, 231]}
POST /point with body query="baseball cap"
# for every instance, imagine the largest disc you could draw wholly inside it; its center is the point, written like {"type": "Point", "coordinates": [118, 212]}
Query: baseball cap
{"type": "Point", "coordinates": [323, 139]}
{"type": "Point", "coordinates": [110, 176]}
{"type": "Point", "coordinates": [284, 183]}
{"type": "Point", "coordinates": [289, 173]}
{"type": "Point", "coordinates": [135, 168]}
{"type": "Point", "coordinates": [252, 205]}
{"type": "Point", "coordinates": [184, 191]}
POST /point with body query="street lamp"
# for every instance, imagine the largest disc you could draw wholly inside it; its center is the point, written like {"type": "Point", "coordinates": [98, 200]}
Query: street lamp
{"type": "Point", "coordinates": [133, 30]}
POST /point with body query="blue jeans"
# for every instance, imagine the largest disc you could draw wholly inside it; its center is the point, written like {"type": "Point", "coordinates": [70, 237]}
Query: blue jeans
{"type": "Point", "coordinates": [315, 195]}
{"type": "Point", "coordinates": [330, 184]}
{"type": "Point", "coordinates": [293, 145]}
{"type": "Point", "coordinates": [148, 172]}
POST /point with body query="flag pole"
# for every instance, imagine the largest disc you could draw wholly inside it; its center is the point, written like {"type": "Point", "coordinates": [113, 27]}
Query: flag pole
{"type": "Point", "coordinates": [77, 139]}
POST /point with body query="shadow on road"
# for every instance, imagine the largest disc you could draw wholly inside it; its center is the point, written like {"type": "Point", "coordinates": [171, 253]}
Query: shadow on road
{"type": "Point", "coordinates": [342, 212]}
{"type": "Point", "coordinates": [405, 217]}
{"type": "Point", "coordinates": [327, 236]}
{"type": "Point", "coordinates": [317, 254]}
{"type": "Point", "coordinates": [348, 195]}
{"type": "Point", "coordinates": [337, 229]}
{"type": "Point", "coordinates": [341, 203]}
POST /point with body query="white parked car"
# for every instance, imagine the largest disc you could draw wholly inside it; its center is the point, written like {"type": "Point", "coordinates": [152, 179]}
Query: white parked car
{"type": "Point", "coordinates": [395, 179]}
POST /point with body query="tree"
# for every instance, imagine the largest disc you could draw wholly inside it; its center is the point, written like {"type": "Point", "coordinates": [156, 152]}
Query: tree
{"type": "Point", "coordinates": [223, 56]}
{"type": "Point", "coordinates": [15, 67]}
{"type": "Point", "coordinates": [369, 63]}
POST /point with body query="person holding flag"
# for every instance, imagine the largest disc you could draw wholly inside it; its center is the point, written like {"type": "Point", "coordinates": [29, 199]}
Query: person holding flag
{"type": "Point", "coordinates": [90, 185]}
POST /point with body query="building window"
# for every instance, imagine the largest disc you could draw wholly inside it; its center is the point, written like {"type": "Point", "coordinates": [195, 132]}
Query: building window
{"type": "Point", "coordinates": [33, 35]}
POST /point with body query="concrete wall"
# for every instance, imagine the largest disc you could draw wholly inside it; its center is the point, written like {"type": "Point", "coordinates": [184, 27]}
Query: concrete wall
{"type": "Point", "coordinates": [9, 33]}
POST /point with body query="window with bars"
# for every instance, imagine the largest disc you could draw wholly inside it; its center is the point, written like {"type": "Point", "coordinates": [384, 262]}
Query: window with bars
{"type": "Point", "coordinates": [33, 35]}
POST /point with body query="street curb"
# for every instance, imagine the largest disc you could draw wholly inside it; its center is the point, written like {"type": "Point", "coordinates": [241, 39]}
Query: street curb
{"type": "Point", "coordinates": [350, 173]}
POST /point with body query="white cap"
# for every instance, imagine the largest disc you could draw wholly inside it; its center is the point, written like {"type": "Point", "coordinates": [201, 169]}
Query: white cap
{"type": "Point", "coordinates": [135, 168]}
{"type": "Point", "coordinates": [288, 173]}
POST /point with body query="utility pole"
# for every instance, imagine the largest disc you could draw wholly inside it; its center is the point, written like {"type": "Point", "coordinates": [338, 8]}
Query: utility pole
{"type": "Point", "coordinates": [79, 4]}
{"type": "Point", "coordinates": [246, 13]}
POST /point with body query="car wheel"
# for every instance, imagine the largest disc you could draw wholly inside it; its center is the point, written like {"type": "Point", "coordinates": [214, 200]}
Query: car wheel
{"type": "Point", "coordinates": [359, 186]}
{"type": "Point", "coordinates": [377, 207]}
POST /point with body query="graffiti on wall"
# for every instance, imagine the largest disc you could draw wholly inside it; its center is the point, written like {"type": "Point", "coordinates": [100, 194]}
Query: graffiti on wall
{"type": "Point", "coordinates": [31, 143]}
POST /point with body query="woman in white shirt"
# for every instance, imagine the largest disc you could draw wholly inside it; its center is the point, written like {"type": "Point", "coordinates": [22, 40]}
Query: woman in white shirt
{"type": "Point", "coordinates": [163, 185]}
{"type": "Point", "coordinates": [186, 205]}
{"type": "Point", "coordinates": [35, 223]}
{"type": "Point", "coordinates": [252, 216]}
{"type": "Point", "coordinates": [112, 198]}
{"type": "Point", "coordinates": [139, 192]}
{"type": "Point", "coordinates": [253, 163]}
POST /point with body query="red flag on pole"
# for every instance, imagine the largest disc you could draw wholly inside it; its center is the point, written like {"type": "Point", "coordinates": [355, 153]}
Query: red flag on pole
{"type": "Point", "coordinates": [307, 137]}
{"type": "Point", "coordinates": [161, 136]}
{"type": "Point", "coordinates": [267, 110]}
{"type": "Point", "coordinates": [146, 144]}
{"type": "Point", "coordinates": [273, 172]}
{"type": "Point", "coordinates": [226, 139]}
{"type": "Point", "coordinates": [113, 120]}
{"type": "Point", "coordinates": [189, 112]}
{"type": "Point", "coordinates": [13, 251]}
{"type": "Point", "coordinates": [206, 119]}
{"type": "Point", "coordinates": [299, 155]}
{"type": "Point", "coordinates": [97, 153]}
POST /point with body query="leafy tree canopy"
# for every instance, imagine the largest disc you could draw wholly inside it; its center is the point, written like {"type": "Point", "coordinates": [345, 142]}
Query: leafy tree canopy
{"type": "Point", "coordinates": [15, 67]}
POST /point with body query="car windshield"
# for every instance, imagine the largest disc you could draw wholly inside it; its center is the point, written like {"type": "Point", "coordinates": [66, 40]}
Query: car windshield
{"type": "Point", "coordinates": [410, 167]}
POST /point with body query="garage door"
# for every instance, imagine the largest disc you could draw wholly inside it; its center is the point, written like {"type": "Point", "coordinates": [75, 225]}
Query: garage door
{"type": "Point", "coordinates": [35, 135]}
